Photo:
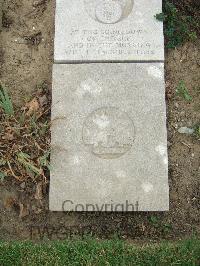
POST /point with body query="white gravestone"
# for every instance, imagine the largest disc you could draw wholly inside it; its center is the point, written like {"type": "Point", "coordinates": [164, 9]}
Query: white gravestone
{"type": "Point", "coordinates": [109, 140]}
{"type": "Point", "coordinates": [108, 30]}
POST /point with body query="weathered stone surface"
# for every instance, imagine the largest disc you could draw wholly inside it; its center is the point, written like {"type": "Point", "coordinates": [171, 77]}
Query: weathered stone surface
{"type": "Point", "coordinates": [108, 30]}
{"type": "Point", "coordinates": [109, 142]}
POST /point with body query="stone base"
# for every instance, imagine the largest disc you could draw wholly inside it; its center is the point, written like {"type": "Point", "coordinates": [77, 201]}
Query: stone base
{"type": "Point", "coordinates": [109, 139]}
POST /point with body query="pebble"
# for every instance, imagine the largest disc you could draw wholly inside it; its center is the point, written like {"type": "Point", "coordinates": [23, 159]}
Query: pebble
{"type": "Point", "coordinates": [38, 3]}
{"type": "Point", "coordinates": [175, 126]}
{"type": "Point", "coordinates": [22, 185]}
{"type": "Point", "coordinates": [186, 130]}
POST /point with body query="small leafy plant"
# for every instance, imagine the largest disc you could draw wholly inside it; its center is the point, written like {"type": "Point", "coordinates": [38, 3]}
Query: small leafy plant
{"type": "Point", "coordinates": [178, 27]}
{"type": "Point", "coordinates": [26, 161]}
{"type": "Point", "coordinates": [154, 220]}
{"type": "Point", "coordinates": [5, 102]}
{"type": "Point", "coordinates": [2, 176]}
{"type": "Point", "coordinates": [197, 130]}
{"type": "Point", "coordinates": [44, 160]}
{"type": "Point", "coordinates": [166, 228]}
{"type": "Point", "coordinates": [183, 91]}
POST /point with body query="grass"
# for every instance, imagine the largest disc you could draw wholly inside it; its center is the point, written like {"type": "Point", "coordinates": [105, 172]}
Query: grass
{"type": "Point", "coordinates": [24, 139]}
{"type": "Point", "coordinates": [182, 91]}
{"type": "Point", "coordinates": [178, 27]}
{"type": "Point", "coordinates": [93, 252]}
{"type": "Point", "coordinates": [5, 101]}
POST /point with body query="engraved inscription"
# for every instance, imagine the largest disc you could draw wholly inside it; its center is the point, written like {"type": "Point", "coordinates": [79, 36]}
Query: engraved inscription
{"type": "Point", "coordinates": [105, 42]}
{"type": "Point", "coordinates": [108, 133]}
{"type": "Point", "coordinates": [108, 30]}
{"type": "Point", "coordinates": [108, 11]}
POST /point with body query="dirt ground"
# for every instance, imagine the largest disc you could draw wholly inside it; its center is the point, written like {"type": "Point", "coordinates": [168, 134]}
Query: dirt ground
{"type": "Point", "coordinates": [26, 60]}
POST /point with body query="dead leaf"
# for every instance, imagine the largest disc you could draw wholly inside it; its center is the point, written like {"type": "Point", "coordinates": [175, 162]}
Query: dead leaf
{"type": "Point", "coordinates": [43, 100]}
{"type": "Point", "coordinates": [23, 210]}
{"type": "Point", "coordinates": [39, 189]}
{"type": "Point", "coordinates": [38, 211]}
{"type": "Point", "coordinates": [9, 202]}
{"type": "Point", "coordinates": [33, 106]}
{"type": "Point", "coordinates": [8, 136]}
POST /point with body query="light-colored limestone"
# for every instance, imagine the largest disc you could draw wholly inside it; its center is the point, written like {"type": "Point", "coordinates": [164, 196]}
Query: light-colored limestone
{"type": "Point", "coordinates": [109, 141]}
{"type": "Point", "coordinates": [108, 30]}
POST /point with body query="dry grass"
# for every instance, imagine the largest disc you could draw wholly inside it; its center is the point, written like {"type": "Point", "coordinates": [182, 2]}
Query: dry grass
{"type": "Point", "coordinates": [25, 140]}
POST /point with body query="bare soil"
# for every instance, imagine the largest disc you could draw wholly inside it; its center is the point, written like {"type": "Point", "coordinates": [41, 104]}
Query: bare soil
{"type": "Point", "coordinates": [26, 63]}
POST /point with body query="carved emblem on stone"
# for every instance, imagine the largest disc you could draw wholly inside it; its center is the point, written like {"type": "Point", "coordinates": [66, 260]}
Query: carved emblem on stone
{"type": "Point", "coordinates": [109, 11]}
{"type": "Point", "coordinates": [108, 133]}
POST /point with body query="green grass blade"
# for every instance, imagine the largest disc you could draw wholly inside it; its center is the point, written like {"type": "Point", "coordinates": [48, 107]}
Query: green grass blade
{"type": "Point", "coordinates": [5, 102]}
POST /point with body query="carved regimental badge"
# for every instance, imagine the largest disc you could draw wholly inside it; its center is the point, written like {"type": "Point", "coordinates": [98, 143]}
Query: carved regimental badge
{"type": "Point", "coordinates": [108, 133]}
{"type": "Point", "coordinates": [109, 11]}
